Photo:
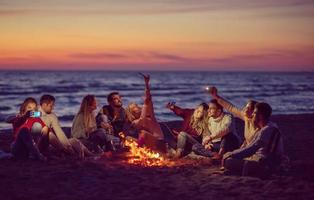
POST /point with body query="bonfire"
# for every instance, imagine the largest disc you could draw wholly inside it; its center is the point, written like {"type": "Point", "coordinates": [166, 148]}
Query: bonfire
{"type": "Point", "coordinates": [143, 156]}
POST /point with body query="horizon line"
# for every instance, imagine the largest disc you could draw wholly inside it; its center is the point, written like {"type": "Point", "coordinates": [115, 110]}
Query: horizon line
{"type": "Point", "coordinates": [150, 70]}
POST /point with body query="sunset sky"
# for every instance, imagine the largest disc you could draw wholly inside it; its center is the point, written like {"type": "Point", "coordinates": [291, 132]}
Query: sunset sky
{"type": "Point", "coordinates": [157, 35]}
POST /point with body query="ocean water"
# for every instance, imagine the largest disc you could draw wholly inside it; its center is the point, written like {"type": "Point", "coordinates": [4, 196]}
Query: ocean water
{"type": "Point", "coordinates": [286, 92]}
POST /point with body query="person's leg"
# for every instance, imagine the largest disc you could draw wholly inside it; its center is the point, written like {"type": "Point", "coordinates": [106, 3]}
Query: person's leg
{"type": "Point", "coordinates": [98, 137]}
{"type": "Point", "coordinates": [233, 166]}
{"type": "Point", "coordinates": [200, 150]}
{"type": "Point", "coordinates": [148, 140]}
{"type": "Point", "coordinates": [112, 142]}
{"type": "Point", "coordinates": [170, 139]}
{"type": "Point", "coordinates": [19, 149]}
{"type": "Point", "coordinates": [80, 148]}
{"type": "Point", "coordinates": [255, 169]}
{"type": "Point", "coordinates": [182, 141]}
{"type": "Point", "coordinates": [228, 143]}
{"type": "Point", "coordinates": [25, 137]}
{"type": "Point", "coordinates": [43, 142]}
{"type": "Point", "coordinates": [61, 148]}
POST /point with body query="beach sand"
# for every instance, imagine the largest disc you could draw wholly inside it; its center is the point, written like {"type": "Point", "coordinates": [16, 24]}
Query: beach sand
{"type": "Point", "coordinates": [113, 178]}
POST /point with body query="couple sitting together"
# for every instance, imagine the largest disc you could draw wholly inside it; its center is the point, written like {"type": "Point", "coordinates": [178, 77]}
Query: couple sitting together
{"type": "Point", "coordinates": [206, 130]}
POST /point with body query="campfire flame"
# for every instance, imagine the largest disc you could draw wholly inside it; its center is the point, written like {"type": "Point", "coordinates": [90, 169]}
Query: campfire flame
{"type": "Point", "coordinates": [142, 155]}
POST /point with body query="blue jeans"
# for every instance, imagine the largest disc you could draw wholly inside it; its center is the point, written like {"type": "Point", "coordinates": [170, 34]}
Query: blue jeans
{"type": "Point", "coordinates": [25, 145]}
{"type": "Point", "coordinates": [228, 143]}
{"type": "Point", "coordinates": [184, 139]}
{"type": "Point", "coordinates": [101, 138]}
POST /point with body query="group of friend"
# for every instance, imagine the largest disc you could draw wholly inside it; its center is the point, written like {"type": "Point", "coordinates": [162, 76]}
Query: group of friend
{"type": "Point", "coordinates": [206, 131]}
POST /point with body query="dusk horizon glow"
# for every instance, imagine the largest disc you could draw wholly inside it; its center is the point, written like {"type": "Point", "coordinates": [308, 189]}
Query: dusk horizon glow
{"type": "Point", "coordinates": [241, 35]}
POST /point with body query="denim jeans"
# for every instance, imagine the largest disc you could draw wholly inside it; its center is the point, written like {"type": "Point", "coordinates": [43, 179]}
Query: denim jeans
{"type": "Point", "coordinates": [25, 145]}
{"type": "Point", "coordinates": [184, 139]}
{"type": "Point", "coordinates": [169, 138]}
{"type": "Point", "coordinates": [101, 138]}
{"type": "Point", "coordinates": [228, 143]}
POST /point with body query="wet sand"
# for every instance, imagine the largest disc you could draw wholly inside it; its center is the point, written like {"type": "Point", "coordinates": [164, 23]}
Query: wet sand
{"type": "Point", "coordinates": [113, 178]}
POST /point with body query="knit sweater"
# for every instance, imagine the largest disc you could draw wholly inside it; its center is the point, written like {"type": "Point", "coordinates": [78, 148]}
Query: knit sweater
{"type": "Point", "coordinates": [220, 127]}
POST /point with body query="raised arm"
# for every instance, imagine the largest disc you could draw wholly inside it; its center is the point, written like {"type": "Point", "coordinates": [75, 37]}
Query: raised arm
{"type": "Point", "coordinates": [148, 96]}
{"type": "Point", "coordinates": [148, 110]}
{"type": "Point", "coordinates": [181, 112]}
{"type": "Point", "coordinates": [226, 104]}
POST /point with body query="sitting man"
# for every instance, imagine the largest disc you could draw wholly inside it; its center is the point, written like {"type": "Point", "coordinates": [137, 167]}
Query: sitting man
{"type": "Point", "coordinates": [114, 115]}
{"type": "Point", "coordinates": [222, 136]}
{"type": "Point", "coordinates": [57, 137]}
{"type": "Point", "coordinates": [244, 114]}
{"type": "Point", "coordinates": [265, 150]}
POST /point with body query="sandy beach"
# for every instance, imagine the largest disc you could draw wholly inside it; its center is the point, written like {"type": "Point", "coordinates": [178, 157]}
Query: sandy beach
{"type": "Point", "coordinates": [113, 178]}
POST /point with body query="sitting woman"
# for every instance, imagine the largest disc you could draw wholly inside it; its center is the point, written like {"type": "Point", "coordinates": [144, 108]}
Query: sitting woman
{"type": "Point", "coordinates": [222, 136]}
{"type": "Point", "coordinates": [193, 129]}
{"type": "Point", "coordinates": [30, 134]}
{"type": "Point", "coordinates": [85, 129]}
{"type": "Point", "coordinates": [144, 120]}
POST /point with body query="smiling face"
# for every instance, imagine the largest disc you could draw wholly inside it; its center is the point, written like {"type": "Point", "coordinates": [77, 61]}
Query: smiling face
{"type": "Point", "coordinates": [213, 110]}
{"type": "Point", "coordinates": [248, 109]}
{"type": "Point", "coordinates": [116, 101]}
{"type": "Point", "coordinates": [199, 112]}
{"type": "Point", "coordinates": [256, 117]}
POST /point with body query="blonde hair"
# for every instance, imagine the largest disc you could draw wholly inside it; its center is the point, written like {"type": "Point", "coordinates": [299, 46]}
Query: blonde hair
{"type": "Point", "coordinates": [200, 125]}
{"type": "Point", "coordinates": [89, 119]}
{"type": "Point", "coordinates": [128, 112]}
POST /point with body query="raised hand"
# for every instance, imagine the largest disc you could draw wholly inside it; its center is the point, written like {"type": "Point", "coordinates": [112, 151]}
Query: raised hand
{"type": "Point", "coordinates": [146, 77]}
{"type": "Point", "coordinates": [170, 105]}
{"type": "Point", "coordinates": [212, 91]}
